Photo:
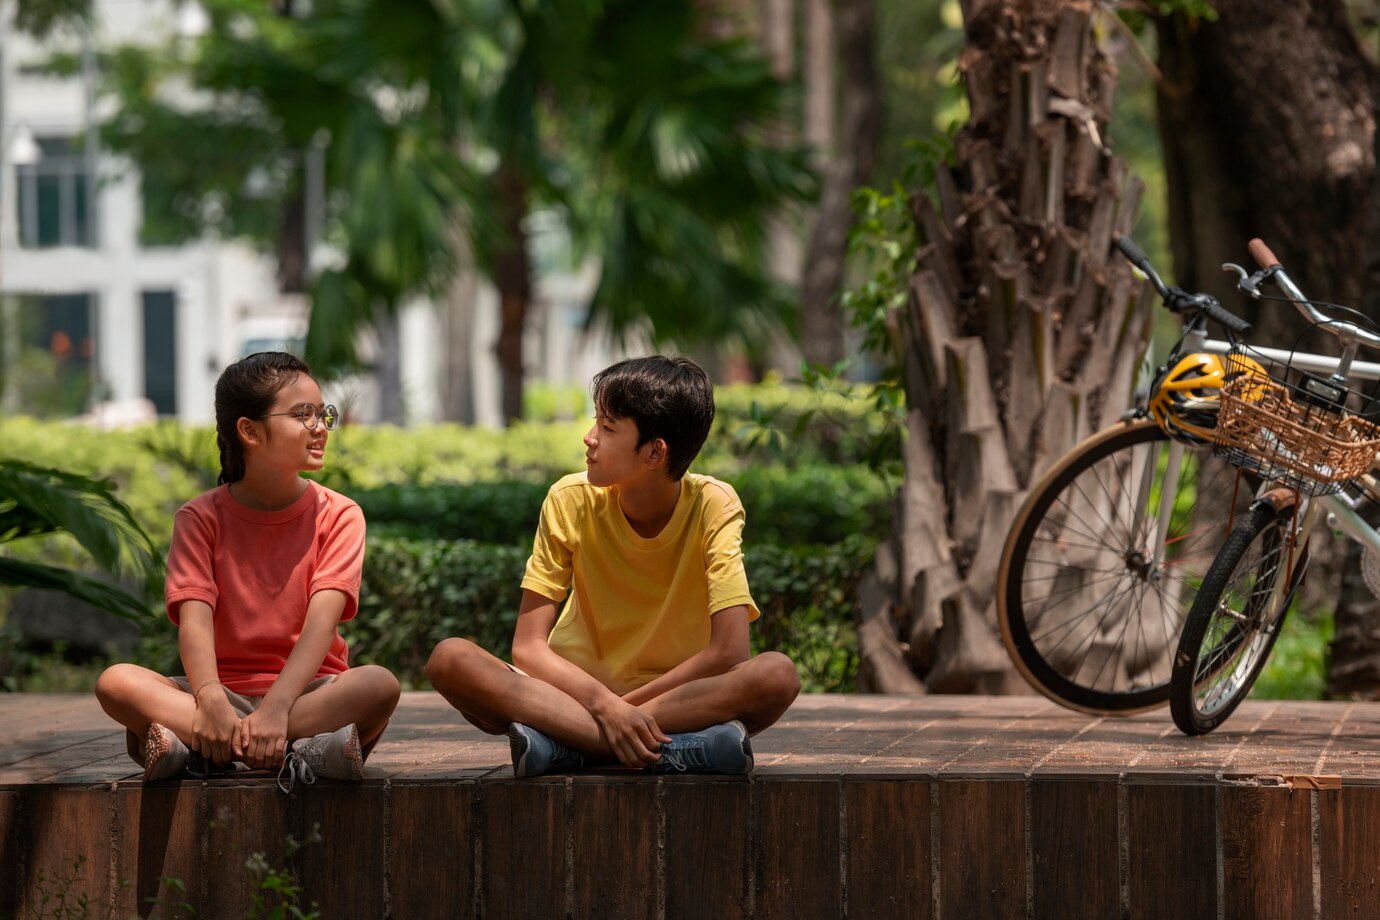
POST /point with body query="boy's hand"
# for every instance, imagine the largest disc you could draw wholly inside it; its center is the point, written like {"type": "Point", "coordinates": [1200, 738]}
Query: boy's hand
{"type": "Point", "coordinates": [214, 726]}
{"type": "Point", "coordinates": [631, 733]}
{"type": "Point", "coordinates": [261, 740]}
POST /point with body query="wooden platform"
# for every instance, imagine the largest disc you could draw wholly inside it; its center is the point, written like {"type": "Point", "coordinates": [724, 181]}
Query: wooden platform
{"type": "Point", "coordinates": [932, 807]}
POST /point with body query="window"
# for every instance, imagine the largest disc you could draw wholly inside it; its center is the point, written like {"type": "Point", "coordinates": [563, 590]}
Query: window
{"type": "Point", "coordinates": [160, 350]}
{"type": "Point", "coordinates": [53, 194]}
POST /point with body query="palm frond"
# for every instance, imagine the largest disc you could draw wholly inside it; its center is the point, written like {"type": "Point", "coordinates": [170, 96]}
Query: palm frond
{"type": "Point", "coordinates": [89, 510]}
{"type": "Point", "coordinates": [112, 598]}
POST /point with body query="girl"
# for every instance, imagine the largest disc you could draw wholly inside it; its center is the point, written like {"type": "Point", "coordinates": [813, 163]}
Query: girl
{"type": "Point", "coordinates": [261, 571]}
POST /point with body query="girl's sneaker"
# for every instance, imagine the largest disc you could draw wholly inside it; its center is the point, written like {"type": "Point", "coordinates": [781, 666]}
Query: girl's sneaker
{"type": "Point", "coordinates": [165, 756]}
{"type": "Point", "coordinates": [334, 755]}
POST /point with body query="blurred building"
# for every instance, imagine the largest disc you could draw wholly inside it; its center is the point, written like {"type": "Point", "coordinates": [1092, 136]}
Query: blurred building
{"type": "Point", "coordinates": [112, 325]}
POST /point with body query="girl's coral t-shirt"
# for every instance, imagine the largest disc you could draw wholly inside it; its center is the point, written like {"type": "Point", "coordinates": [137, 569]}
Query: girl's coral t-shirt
{"type": "Point", "coordinates": [258, 570]}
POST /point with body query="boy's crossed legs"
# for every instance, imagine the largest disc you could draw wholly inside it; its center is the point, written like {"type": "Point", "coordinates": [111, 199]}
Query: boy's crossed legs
{"type": "Point", "coordinates": [491, 695]}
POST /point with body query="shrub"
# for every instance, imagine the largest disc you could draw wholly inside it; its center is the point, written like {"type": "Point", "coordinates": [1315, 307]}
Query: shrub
{"type": "Point", "coordinates": [418, 592]}
{"type": "Point", "coordinates": [815, 504]}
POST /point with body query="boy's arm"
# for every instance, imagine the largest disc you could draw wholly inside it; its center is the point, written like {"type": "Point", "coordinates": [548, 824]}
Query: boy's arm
{"type": "Point", "coordinates": [215, 722]}
{"type": "Point", "coordinates": [632, 734]}
{"type": "Point", "coordinates": [728, 646]}
{"type": "Point", "coordinates": [262, 737]}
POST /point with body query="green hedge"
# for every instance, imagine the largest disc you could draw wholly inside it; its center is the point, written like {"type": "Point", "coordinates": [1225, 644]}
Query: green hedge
{"type": "Point", "coordinates": [815, 504]}
{"type": "Point", "coordinates": [418, 592]}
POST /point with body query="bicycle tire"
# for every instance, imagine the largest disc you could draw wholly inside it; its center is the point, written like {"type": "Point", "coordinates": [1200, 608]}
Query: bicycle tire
{"type": "Point", "coordinates": [1086, 617]}
{"type": "Point", "coordinates": [1232, 626]}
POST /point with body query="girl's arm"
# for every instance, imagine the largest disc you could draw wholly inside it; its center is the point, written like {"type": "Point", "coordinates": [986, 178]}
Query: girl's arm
{"type": "Point", "coordinates": [262, 738]}
{"type": "Point", "coordinates": [215, 722]}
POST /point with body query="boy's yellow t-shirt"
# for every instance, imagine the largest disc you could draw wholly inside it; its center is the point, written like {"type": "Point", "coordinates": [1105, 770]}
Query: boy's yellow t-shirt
{"type": "Point", "coordinates": [637, 607]}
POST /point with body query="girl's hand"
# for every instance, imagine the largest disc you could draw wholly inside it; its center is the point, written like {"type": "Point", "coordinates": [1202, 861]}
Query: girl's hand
{"type": "Point", "coordinates": [213, 728]}
{"type": "Point", "coordinates": [261, 740]}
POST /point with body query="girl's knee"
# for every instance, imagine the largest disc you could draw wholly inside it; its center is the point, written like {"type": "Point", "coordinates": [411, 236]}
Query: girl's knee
{"type": "Point", "coordinates": [382, 683]}
{"type": "Point", "coordinates": [118, 682]}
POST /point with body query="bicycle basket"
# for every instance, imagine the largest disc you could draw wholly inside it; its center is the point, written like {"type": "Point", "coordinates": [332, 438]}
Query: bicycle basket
{"type": "Point", "coordinates": [1293, 427]}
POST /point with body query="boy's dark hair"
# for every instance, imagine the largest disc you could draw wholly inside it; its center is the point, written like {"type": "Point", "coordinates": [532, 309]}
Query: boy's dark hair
{"type": "Point", "coordinates": [246, 389]}
{"type": "Point", "coordinates": [667, 398]}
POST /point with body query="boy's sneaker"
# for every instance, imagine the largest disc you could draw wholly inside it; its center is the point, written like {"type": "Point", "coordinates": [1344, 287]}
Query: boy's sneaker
{"type": "Point", "coordinates": [535, 753]}
{"type": "Point", "coordinates": [165, 756]}
{"type": "Point", "coordinates": [334, 755]}
{"type": "Point", "coordinates": [723, 749]}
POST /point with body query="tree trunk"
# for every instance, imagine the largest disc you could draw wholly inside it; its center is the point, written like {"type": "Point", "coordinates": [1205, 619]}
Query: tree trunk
{"type": "Point", "coordinates": [512, 276]}
{"type": "Point", "coordinates": [1021, 335]}
{"type": "Point", "coordinates": [1268, 122]}
{"type": "Point", "coordinates": [388, 367]}
{"type": "Point", "coordinates": [457, 332]}
{"type": "Point", "coordinates": [822, 325]}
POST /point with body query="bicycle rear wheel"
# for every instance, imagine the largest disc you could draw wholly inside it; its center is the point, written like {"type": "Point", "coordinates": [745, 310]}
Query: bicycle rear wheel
{"type": "Point", "coordinates": [1089, 600]}
{"type": "Point", "coordinates": [1234, 621]}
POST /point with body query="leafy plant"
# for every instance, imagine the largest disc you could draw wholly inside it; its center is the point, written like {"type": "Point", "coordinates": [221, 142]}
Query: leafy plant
{"type": "Point", "coordinates": [37, 501]}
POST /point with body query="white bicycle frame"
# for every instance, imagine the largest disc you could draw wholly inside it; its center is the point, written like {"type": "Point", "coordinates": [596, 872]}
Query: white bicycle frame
{"type": "Point", "coordinates": [1340, 508]}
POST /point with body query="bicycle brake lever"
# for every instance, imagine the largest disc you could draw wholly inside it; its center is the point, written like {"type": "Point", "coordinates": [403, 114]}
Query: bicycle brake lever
{"type": "Point", "coordinates": [1250, 283]}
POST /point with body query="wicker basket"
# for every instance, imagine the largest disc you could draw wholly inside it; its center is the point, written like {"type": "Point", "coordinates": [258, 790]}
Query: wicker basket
{"type": "Point", "coordinates": [1277, 428]}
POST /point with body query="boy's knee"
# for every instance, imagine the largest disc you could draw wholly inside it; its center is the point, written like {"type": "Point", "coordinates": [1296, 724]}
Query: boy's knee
{"type": "Point", "coordinates": [447, 662]}
{"type": "Point", "coordinates": [780, 681]}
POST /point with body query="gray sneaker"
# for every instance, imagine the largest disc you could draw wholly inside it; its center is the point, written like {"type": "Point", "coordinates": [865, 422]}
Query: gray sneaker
{"type": "Point", "coordinates": [535, 753]}
{"type": "Point", "coordinates": [724, 749]}
{"type": "Point", "coordinates": [165, 756]}
{"type": "Point", "coordinates": [334, 755]}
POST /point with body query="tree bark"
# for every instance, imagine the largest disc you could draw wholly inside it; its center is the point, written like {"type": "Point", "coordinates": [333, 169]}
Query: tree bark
{"type": "Point", "coordinates": [1267, 122]}
{"type": "Point", "coordinates": [851, 166]}
{"type": "Point", "coordinates": [512, 276]}
{"type": "Point", "coordinates": [1022, 332]}
{"type": "Point", "coordinates": [457, 331]}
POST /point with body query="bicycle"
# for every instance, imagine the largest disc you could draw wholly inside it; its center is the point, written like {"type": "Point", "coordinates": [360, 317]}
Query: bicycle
{"type": "Point", "coordinates": [1309, 436]}
{"type": "Point", "coordinates": [1105, 559]}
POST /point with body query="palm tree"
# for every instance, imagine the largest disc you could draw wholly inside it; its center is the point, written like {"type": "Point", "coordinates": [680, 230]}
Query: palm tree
{"type": "Point", "coordinates": [38, 502]}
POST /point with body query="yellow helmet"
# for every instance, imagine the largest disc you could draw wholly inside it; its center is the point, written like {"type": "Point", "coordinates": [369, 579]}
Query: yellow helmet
{"type": "Point", "coordinates": [1184, 400]}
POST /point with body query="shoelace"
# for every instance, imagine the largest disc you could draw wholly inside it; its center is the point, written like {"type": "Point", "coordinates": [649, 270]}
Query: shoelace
{"type": "Point", "coordinates": [297, 770]}
{"type": "Point", "coordinates": [683, 758]}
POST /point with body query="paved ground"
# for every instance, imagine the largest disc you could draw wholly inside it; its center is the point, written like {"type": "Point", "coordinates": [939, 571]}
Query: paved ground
{"type": "Point", "coordinates": [67, 739]}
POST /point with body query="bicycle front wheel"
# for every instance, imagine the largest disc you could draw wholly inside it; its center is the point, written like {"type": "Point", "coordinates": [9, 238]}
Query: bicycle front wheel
{"type": "Point", "coordinates": [1234, 621]}
{"type": "Point", "coordinates": [1091, 595]}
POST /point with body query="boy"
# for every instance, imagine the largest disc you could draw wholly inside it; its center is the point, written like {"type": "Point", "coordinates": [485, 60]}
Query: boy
{"type": "Point", "coordinates": [647, 664]}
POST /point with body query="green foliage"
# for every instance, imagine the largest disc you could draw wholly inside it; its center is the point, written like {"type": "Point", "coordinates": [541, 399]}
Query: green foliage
{"type": "Point", "coordinates": [418, 592]}
{"type": "Point", "coordinates": [39, 501]}
{"type": "Point", "coordinates": [811, 504]}
{"type": "Point", "coordinates": [1297, 668]}
{"type": "Point", "coordinates": [490, 512]}
{"type": "Point", "coordinates": [277, 893]}
{"type": "Point", "coordinates": [63, 897]}
{"type": "Point", "coordinates": [808, 598]}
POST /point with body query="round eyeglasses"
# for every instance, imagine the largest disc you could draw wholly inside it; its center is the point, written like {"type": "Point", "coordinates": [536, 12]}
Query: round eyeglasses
{"type": "Point", "coordinates": [309, 415]}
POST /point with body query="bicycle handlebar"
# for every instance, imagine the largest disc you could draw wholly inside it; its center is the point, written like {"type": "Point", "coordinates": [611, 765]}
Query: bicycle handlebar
{"type": "Point", "coordinates": [1178, 300]}
{"type": "Point", "coordinates": [1347, 332]}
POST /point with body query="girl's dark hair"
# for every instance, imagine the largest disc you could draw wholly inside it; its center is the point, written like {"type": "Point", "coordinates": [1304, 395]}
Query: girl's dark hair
{"type": "Point", "coordinates": [667, 398]}
{"type": "Point", "coordinates": [246, 389]}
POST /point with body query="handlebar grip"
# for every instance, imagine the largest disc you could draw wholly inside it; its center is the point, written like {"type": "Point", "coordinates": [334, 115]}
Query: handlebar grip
{"type": "Point", "coordinates": [1262, 254]}
{"type": "Point", "coordinates": [1224, 317]}
{"type": "Point", "coordinates": [1133, 252]}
